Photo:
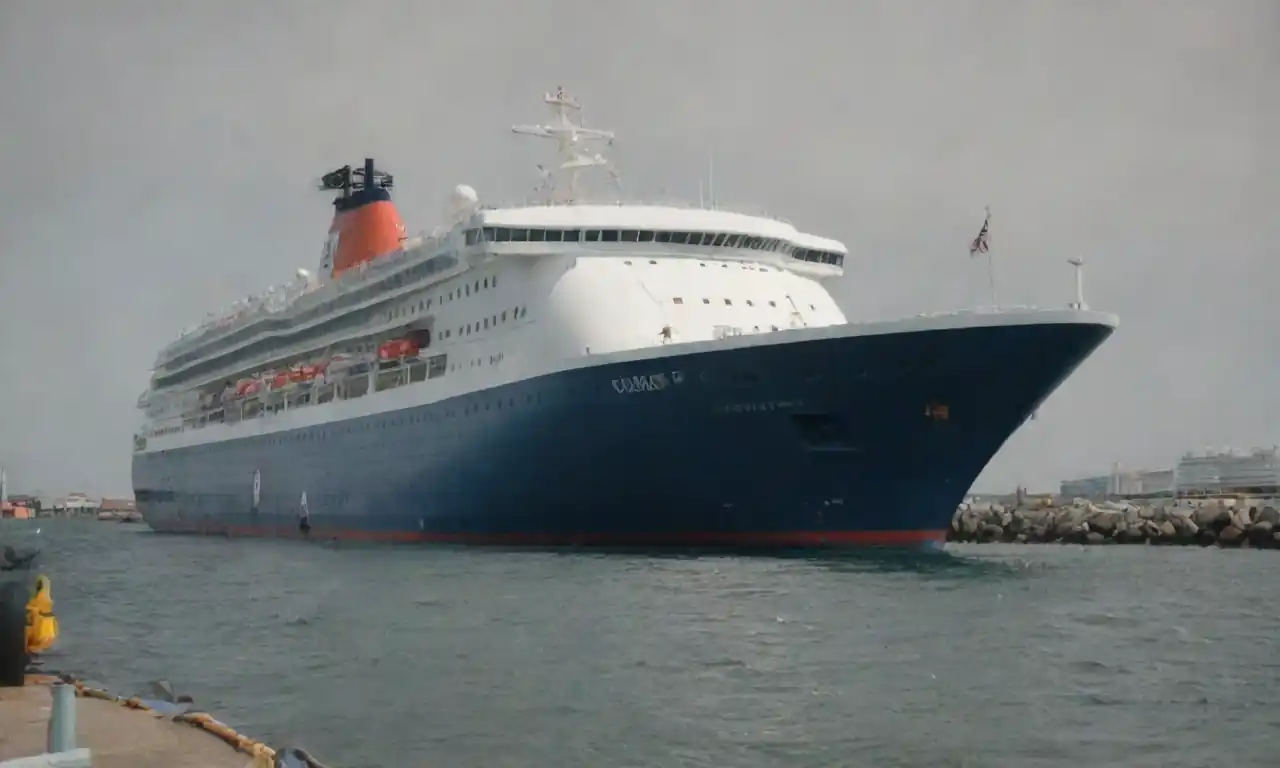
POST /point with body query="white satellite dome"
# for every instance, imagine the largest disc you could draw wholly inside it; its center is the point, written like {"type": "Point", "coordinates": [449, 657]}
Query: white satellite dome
{"type": "Point", "coordinates": [463, 202]}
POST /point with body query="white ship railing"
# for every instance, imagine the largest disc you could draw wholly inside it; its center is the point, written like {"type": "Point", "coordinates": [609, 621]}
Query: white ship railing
{"type": "Point", "coordinates": [415, 249]}
{"type": "Point", "coordinates": [980, 310]}
{"type": "Point", "coordinates": [683, 204]}
{"type": "Point", "coordinates": [360, 379]}
{"type": "Point", "coordinates": [312, 344]}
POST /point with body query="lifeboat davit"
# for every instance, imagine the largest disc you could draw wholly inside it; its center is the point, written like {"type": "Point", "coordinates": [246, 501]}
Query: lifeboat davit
{"type": "Point", "coordinates": [303, 372]}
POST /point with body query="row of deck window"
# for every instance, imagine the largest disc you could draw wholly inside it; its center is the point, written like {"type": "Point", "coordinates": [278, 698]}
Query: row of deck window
{"type": "Point", "coordinates": [330, 305]}
{"type": "Point", "coordinates": [360, 318]}
{"type": "Point", "coordinates": [492, 321]}
{"type": "Point", "coordinates": [702, 239]}
{"type": "Point", "coordinates": [459, 292]}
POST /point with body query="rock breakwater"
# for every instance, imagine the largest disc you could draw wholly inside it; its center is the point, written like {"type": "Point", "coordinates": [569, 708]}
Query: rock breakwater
{"type": "Point", "coordinates": [1220, 522]}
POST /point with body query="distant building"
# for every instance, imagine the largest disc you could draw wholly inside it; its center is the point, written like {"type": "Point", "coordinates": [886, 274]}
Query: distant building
{"type": "Point", "coordinates": [1213, 472]}
{"type": "Point", "coordinates": [1229, 472]}
{"type": "Point", "coordinates": [23, 500]}
{"type": "Point", "coordinates": [77, 504]}
{"type": "Point", "coordinates": [1086, 487]}
{"type": "Point", "coordinates": [1157, 482]}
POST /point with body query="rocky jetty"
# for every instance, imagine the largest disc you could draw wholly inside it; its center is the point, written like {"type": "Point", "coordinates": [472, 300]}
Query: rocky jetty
{"type": "Point", "coordinates": [1218, 522]}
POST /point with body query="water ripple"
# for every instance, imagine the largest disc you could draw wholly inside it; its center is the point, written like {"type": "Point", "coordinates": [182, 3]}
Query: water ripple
{"type": "Point", "coordinates": [395, 655]}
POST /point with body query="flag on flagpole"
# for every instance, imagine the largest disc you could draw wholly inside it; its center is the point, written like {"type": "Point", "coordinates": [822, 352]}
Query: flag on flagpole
{"type": "Point", "coordinates": [982, 243]}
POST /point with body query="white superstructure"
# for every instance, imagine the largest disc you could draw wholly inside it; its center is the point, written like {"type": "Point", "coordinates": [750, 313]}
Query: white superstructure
{"type": "Point", "coordinates": [501, 294]}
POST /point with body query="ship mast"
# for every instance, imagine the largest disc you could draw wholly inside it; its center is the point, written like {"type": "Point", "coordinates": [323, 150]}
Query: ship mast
{"type": "Point", "coordinates": [560, 183]}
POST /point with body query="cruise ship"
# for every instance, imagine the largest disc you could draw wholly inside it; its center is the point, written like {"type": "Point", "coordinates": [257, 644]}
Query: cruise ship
{"type": "Point", "coordinates": [570, 372]}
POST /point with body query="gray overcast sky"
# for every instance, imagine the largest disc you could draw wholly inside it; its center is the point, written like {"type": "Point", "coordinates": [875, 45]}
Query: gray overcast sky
{"type": "Point", "coordinates": [158, 160]}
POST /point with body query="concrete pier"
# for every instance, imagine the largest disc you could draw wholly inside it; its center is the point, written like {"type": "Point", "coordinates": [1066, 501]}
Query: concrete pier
{"type": "Point", "coordinates": [116, 736]}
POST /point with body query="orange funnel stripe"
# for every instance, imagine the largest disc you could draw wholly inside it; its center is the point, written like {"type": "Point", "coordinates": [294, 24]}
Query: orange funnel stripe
{"type": "Point", "coordinates": [365, 232]}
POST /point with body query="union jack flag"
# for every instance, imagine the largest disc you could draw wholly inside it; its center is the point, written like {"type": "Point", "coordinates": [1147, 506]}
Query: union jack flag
{"type": "Point", "coordinates": [982, 243]}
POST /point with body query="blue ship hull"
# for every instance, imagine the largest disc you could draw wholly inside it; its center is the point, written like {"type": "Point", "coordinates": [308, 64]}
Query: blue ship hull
{"type": "Point", "coordinates": [834, 442]}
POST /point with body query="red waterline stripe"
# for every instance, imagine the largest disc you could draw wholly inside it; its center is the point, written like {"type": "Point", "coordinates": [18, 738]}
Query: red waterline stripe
{"type": "Point", "coordinates": [685, 538]}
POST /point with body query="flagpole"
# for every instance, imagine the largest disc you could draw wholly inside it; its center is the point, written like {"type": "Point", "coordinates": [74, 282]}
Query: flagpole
{"type": "Point", "coordinates": [991, 278]}
{"type": "Point", "coordinates": [982, 244]}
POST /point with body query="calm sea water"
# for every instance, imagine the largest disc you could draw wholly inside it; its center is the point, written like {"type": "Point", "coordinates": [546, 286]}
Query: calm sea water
{"type": "Point", "coordinates": [406, 656]}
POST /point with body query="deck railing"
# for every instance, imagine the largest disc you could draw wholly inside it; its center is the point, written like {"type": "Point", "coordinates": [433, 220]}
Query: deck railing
{"type": "Point", "coordinates": [355, 382]}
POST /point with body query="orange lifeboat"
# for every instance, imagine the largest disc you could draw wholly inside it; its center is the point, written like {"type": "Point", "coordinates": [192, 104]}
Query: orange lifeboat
{"type": "Point", "coordinates": [246, 387]}
{"type": "Point", "coordinates": [397, 348]}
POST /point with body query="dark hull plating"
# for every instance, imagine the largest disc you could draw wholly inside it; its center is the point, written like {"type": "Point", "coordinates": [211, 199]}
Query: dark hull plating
{"type": "Point", "coordinates": [862, 440]}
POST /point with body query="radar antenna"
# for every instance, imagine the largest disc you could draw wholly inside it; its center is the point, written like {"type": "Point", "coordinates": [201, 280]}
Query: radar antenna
{"type": "Point", "coordinates": [347, 179]}
{"type": "Point", "coordinates": [560, 182]}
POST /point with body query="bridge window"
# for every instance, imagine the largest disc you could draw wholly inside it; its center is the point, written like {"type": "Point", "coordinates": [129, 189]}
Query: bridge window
{"type": "Point", "coordinates": [677, 300]}
{"type": "Point", "coordinates": [703, 239]}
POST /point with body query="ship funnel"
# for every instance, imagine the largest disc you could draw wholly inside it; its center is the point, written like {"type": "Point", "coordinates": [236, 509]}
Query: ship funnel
{"type": "Point", "coordinates": [365, 224]}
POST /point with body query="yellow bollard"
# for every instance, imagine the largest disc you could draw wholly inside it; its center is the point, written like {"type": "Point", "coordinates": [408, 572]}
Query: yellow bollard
{"type": "Point", "coordinates": [42, 625]}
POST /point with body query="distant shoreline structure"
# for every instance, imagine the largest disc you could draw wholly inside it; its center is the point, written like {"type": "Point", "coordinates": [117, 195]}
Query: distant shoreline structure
{"type": "Point", "coordinates": [1211, 473]}
{"type": "Point", "coordinates": [70, 505]}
